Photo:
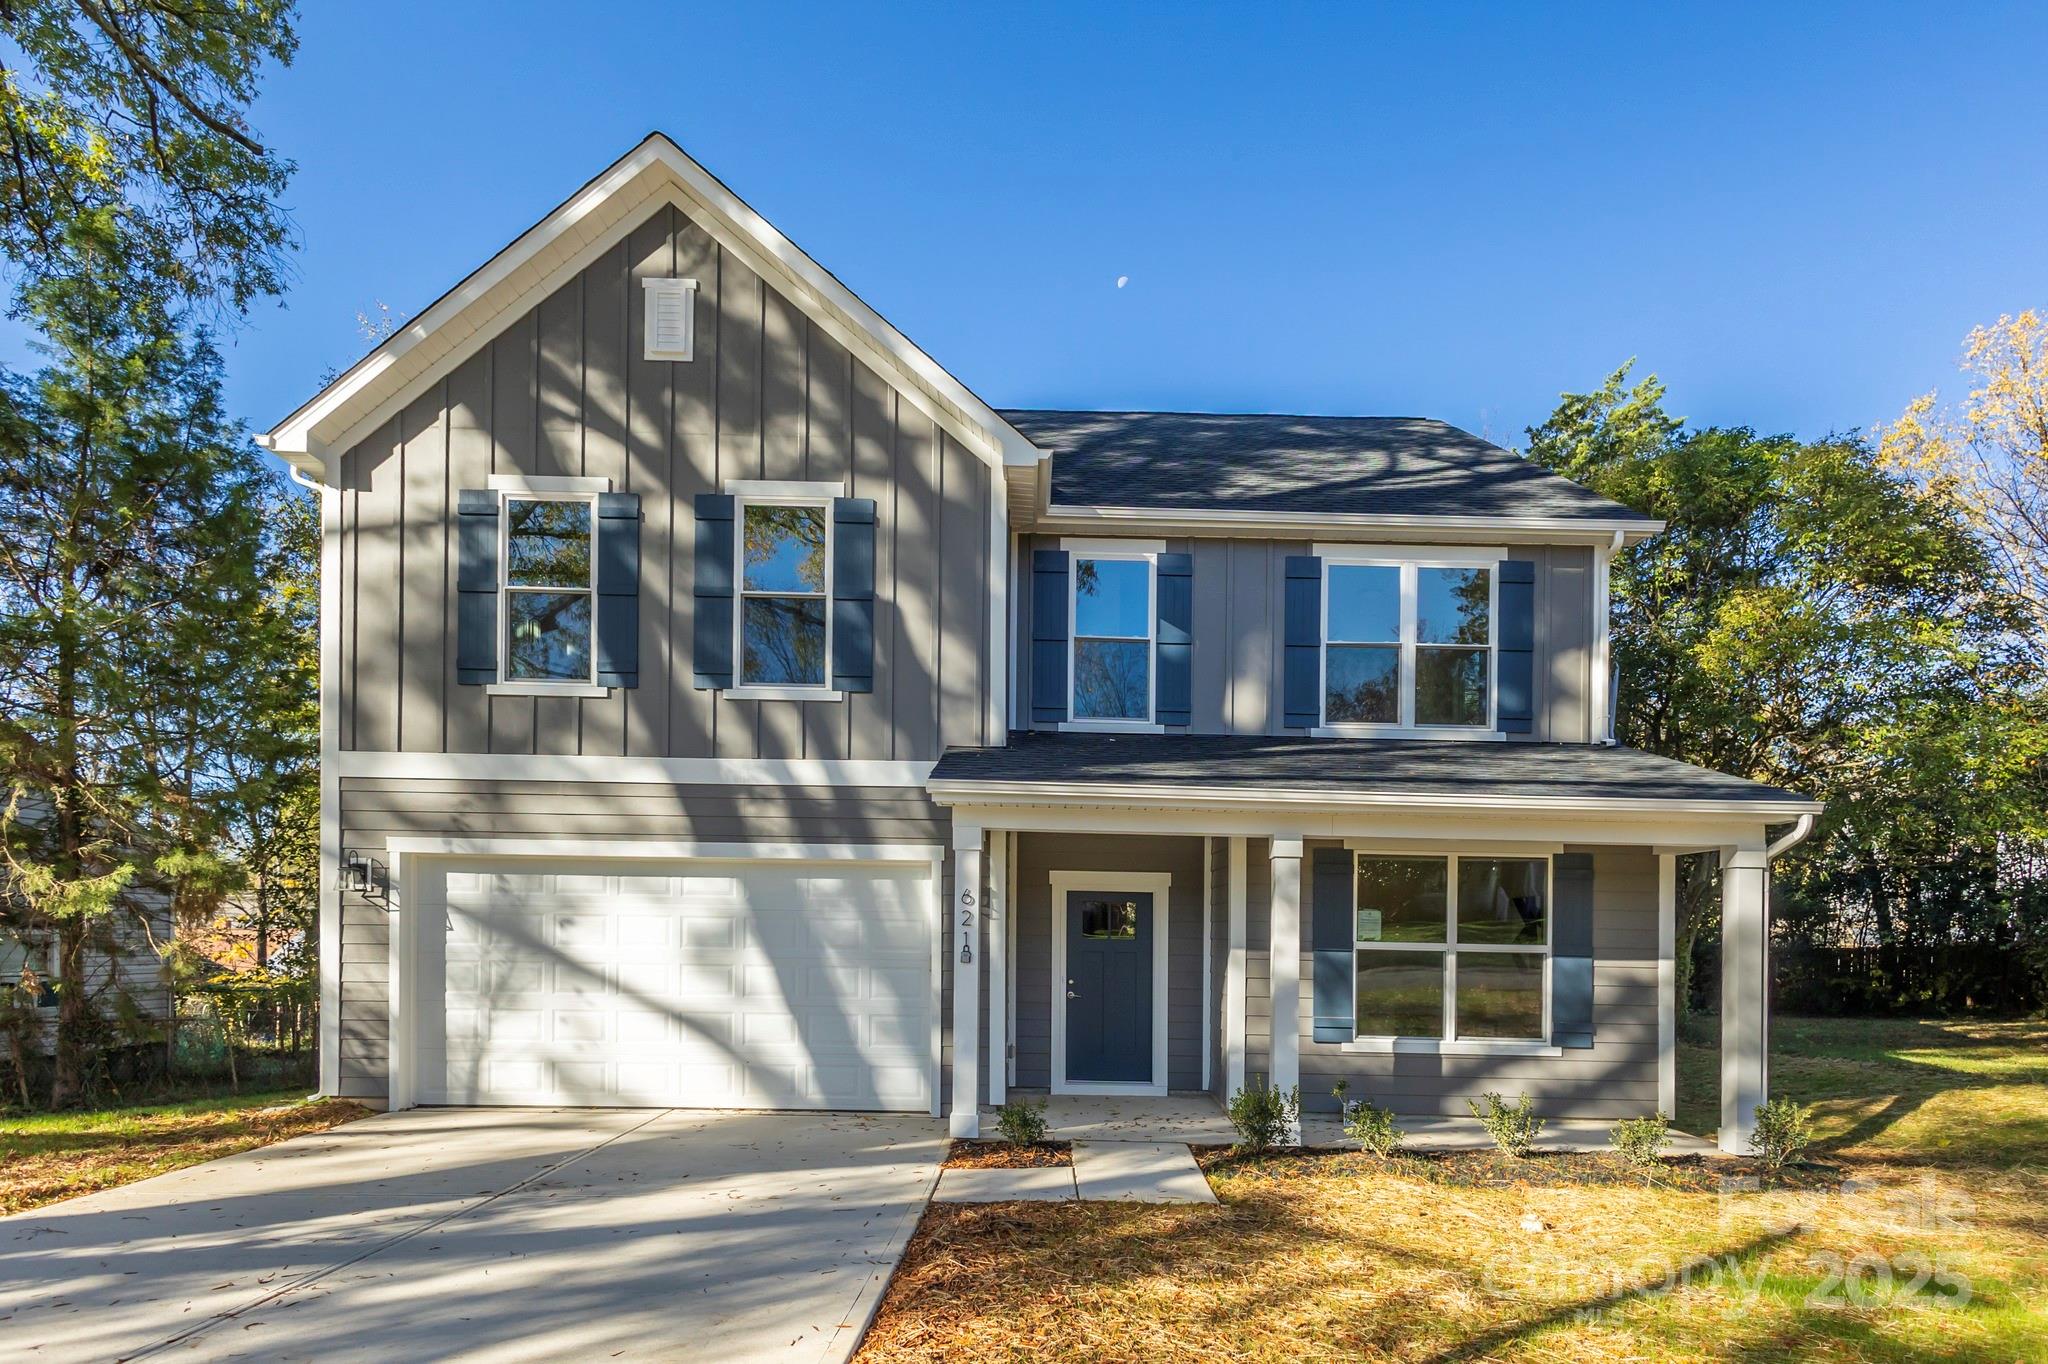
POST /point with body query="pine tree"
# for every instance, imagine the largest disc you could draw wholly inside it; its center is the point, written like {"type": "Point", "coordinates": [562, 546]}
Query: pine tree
{"type": "Point", "coordinates": [132, 610]}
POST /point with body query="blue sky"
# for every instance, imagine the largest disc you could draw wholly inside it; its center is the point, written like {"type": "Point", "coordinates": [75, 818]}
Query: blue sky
{"type": "Point", "coordinates": [1791, 213]}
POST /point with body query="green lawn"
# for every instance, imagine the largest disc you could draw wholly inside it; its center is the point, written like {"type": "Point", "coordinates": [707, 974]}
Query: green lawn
{"type": "Point", "coordinates": [1918, 1232]}
{"type": "Point", "coordinates": [48, 1156]}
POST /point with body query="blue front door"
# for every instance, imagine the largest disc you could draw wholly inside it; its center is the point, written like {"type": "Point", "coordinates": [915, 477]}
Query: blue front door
{"type": "Point", "coordinates": [1109, 987]}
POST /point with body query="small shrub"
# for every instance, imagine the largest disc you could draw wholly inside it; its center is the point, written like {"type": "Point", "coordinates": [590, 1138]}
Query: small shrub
{"type": "Point", "coordinates": [1638, 1140]}
{"type": "Point", "coordinates": [1373, 1128]}
{"type": "Point", "coordinates": [1022, 1123]}
{"type": "Point", "coordinates": [1782, 1132]}
{"type": "Point", "coordinates": [1513, 1127]}
{"type": "Point", "coordinates": [1263, 1116]}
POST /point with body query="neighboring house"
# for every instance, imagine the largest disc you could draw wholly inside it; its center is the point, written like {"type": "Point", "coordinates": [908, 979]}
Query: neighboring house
{"type": "Point", "coordinates": [125, 959]}
{"type": "Point", "coordinates": [724, 706]}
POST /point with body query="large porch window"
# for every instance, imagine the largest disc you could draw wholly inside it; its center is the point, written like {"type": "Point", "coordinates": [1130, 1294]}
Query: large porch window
{"type": "Point", "coordinates": [1452, 947]}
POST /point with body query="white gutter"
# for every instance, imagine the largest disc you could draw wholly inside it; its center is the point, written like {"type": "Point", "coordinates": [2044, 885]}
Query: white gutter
{"type": "Point", "coordinates": [1167, 796]}
{"type": "Point", "coordinates": [1579, 529]}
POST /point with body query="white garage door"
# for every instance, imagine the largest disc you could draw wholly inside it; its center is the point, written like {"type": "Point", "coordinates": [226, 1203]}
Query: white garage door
{"type": "Point", "coordinates": [699, 984]}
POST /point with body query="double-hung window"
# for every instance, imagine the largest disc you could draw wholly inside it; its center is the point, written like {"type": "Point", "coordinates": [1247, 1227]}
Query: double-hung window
{"type": "Point", "coordinates": [1408, 642]}
{"type": "Point", "coordinates": [548, 588]}
{"type": "Point", "coordinates": [1114, 613]}
{"type": "Point", "coordinates": [1452, 947]}
{"type": "Point", "coordinates": [784, 621]}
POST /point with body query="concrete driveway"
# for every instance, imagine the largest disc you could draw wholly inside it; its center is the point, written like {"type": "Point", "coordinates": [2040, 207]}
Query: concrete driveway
{"type": "Point", "coordinates": [500, 1234]}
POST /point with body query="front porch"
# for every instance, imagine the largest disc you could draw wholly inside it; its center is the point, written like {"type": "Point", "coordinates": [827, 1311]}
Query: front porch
{"type": "Point", "coordinates": [1172, 919]}
{"type": "Point", "coordinates": [1199, 1120]}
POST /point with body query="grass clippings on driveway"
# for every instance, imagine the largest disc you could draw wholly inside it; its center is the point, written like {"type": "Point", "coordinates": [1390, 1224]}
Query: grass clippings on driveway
{"type": "Point", "coordinates": [1916, 1234]}
{"type": "Point", "coordinates": [49, 1156]}
{"type": "Point", "coordinates": [1001, 1155]}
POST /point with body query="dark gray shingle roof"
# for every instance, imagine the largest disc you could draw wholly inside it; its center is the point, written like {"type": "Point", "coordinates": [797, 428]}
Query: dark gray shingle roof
{"type": "Point", "coordinates": [1419, 767]}
{"type": "Point", "coordinates": [1409, 466]}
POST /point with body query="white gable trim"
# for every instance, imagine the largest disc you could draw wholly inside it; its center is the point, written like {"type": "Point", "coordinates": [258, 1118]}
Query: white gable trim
{"type": "Point", "coordinates": [567, 241]}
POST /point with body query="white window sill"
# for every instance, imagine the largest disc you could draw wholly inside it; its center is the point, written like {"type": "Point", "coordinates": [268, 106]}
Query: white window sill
{"type": "Point", "coordinates": [571, 689]}
{"type": "Point", "coordinates": [782, 694]}
{"type": "Point", "coordinates": [1110, 727]}
{"type": "Point", "coordinates": [1429, 1046]}
{"type": "Point", "coordinates": [1480, 736]}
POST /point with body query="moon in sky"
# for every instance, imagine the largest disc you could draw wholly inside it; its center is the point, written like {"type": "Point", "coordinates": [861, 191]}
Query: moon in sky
{"type": "Point", "coordinates": [1122, 280]}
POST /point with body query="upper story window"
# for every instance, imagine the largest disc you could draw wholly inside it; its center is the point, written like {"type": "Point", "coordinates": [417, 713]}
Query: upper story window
{"type": "Point", "coordinates": [1113, 614]}
{"type": "Point", "coordinates": [785, 619]}
{"type": "Point", "coordinates": [1452, 948]}
{"type": "Point", "coordinates": [1408, 643]}
{"type": "Point", "coordinates": [549, 588]}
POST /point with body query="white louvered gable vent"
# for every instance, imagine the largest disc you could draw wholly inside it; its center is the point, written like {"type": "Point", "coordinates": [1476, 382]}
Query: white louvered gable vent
{"type": "Point", "coordinates": [671, 318]}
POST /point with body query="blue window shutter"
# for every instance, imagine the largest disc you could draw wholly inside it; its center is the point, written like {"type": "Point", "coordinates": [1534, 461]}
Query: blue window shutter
{"type": "Point", "coordinates": [1301, 684]}
{"type": "Point", "coordinates": [1049, 571]}
{"type": "Point", "coordinates": [618, 589]}
{"type": "Point", "coordinates": [1332, 887]}
{"type": "Point", "coordinates": [1174, 648]}
{"type": "Point", "coordinates": [476, 587]}
{"type": "Point", "coordinates": [853, 593]}
{"type": "Point", "coordinates": [711, 667]}
{"type": "Point", "coordinates": [1571, 950]}
{"type": "Point", "coordinates": [1515, 709]}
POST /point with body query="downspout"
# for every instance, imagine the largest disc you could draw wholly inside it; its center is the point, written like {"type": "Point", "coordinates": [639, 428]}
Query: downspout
{"type": "Point", "coordinates": [1792, 839]}
{"type": "Point", "coordinates": [1604, 675]}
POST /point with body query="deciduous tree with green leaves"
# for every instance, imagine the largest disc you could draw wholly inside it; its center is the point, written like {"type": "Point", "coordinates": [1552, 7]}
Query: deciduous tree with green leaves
{"type": "Point", "coordinates": [140, 107]}
{"type": "Point", "coordinates": [1811, 619]}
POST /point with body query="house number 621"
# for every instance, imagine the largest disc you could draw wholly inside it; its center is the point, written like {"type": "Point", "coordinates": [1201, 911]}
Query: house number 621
{"type": "Point", "coordinates": [966, 922]}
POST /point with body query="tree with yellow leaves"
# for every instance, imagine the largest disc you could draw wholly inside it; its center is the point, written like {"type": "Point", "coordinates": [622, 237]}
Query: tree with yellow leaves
{"type": "Point", "coordinates": [1989, 454]}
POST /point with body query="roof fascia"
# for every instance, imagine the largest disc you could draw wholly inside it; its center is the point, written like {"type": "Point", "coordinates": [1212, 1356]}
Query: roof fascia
{"type": "Point", "coordinates": [1221, 521]}
{"type": "Point", "coordinates": [1157, 795]}
{"type": "Point", "coordinates": [326, 421]}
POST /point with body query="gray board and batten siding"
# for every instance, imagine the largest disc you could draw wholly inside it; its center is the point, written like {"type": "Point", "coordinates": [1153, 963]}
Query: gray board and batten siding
{"type": "Point", "coordinates": [1238, 655]}
{"type": "Point", "coordinates": [564, 391]}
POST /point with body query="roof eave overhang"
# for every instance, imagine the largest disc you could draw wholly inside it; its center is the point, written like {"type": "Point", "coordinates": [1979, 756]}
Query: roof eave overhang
{"type": "Point", "coordinates": [463, 320]}
{"type": "Point", "coordinates": [1339, 525]}
{"type": "Point", "coordinates": [954, 792]}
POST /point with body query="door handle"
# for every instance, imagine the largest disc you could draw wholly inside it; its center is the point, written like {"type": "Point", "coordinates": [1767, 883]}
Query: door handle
{"type": "Point", "coordinates": [1072, 995]}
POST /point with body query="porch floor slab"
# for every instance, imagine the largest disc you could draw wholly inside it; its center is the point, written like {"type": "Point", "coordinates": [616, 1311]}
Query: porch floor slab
{"type": "Point", "coordinates": [1139, 1172]}
{"type": "Point", "coordinates": [1185, 1118]}
{"type": "Point", "coordinates": [1047, 1184]}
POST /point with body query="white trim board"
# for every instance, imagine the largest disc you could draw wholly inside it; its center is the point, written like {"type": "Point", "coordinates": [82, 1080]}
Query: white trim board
{"type": "Point", "coordinates": [648, 771]}
{"type": "Point", "coordinates": [1159, 885]}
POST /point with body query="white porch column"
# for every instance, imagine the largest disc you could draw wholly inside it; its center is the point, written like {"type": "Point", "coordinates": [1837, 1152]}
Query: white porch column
{"type": "Point", "coordinates": [998, 966]}
{"type": "Point", "coordinates": [966, 959]}
{"type": "Point", "coordinates": [1234, 973]}
{"type": "Point", "coordinates": [1283, 965]}
{"type": "Point", "coordinates": [1667, 984]}
{"type": "Point", "coordinates": [1745, 994]}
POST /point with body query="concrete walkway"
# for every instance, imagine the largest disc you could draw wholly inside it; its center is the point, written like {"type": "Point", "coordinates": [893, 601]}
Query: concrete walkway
{"type": "Point", "coordinates": [505, 1234]}
{"type": "Point", "coordinates": [1102, 1172]}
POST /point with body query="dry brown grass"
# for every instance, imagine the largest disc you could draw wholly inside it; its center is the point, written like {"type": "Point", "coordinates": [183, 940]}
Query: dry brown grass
{"type": "Point", "coordinates": [1001, 1155]}
{"type": "Point", "coordinates": [51, 1156]}
{"type": "Point", "coordinates": [1475, 1257]}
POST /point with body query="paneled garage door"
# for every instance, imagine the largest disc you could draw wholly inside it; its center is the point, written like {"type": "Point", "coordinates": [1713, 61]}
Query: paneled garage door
{"type": "Point", "coordinates": [697, 984]}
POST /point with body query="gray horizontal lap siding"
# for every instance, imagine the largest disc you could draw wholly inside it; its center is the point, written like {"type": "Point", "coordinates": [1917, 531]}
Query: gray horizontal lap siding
{"type": "Point", "coordinates": [1238, 655]}
{"type": "Point", "coordinates": [563, 390]}
{"type": "Point", "coordinates": [373, 811]}
{"type": "Point", "coordinates": [1040, 855]}
{"type": "Point", "coordinates": [1615, 1078]}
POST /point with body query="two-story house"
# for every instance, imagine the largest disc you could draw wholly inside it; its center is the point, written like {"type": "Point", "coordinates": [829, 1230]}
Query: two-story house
{"type": "Point", "coordinates": [724, 706]}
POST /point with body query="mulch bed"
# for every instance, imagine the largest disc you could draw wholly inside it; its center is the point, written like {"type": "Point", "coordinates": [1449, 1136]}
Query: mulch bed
{"type": "Point", "coordinates": [1000, 1155]}
{"type": "Point", "coordinates": [1490, 1169]}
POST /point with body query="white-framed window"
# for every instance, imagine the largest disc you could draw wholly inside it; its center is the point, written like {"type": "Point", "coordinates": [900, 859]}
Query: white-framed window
{"type": "Point", "coordinates": [547, 586]}
{"type": "Point", "coordinates": [1451, 947]}
{"type": "Point", "coordinates": [1113, 605]}
{"type": "Point", "coordinates": [1409, 640]}
{"type": "Point", "coordinates": [782, 627]}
